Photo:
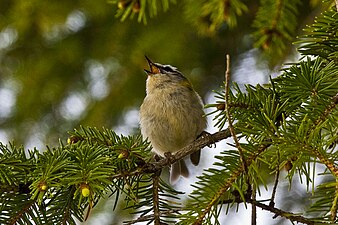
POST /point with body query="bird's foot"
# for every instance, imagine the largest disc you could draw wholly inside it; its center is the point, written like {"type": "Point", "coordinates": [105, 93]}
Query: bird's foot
{"type": "Point", "coordinates": [169, 157]}
{"type": "Point", "coordinates": [206, 134]}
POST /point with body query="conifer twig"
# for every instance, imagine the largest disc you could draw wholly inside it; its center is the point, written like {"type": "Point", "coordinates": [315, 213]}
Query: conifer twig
{"type": "Point", "coordinates": [149, 217]}
{"type": "Point", "coordinates": [276, 211]}
{"type": "Point", "coordinates": [322, 157]}
{"type": "Point", "coordinates": [156, 186]}
{"type": "Point", "coordinates": [274, 190]}
{"type": "Point", "coordinates": [198, 144]}
{"type": "Point", "coordinates": [334, 206]}
{"type": "Point", "coordinates": [253, 207]}
{"type": "Point", "coordinates": [227, 111]}
{"type": "Point", "coordinates": [288, 215]}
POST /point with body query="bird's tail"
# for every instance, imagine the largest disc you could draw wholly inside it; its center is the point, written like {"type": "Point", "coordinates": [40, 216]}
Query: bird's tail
{"type": "Point", "coordinates": [178, 169]}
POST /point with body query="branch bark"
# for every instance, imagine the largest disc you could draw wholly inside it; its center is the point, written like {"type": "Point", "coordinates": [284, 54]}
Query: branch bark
{"type": "Point", "coordinates": [198, 144]}
{"type": "Point", "coordinates": [278, 212]}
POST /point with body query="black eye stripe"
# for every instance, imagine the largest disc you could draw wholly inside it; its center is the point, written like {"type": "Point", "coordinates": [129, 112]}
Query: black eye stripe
{"type": "Point", "coordinates": [166, 68]}
{"type": "Point", "coordinates": [169, 69]}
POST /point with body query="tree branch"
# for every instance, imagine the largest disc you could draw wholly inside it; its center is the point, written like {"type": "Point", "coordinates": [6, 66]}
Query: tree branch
{"type": "Point", "coordinates": [227, 111]}
{"type": "Point", "coordinates": [198, 144]}
{"type": "Point", "coordinates": [150, 217]}
{"type": "Point", "coordinates": [227, 183]}
{"type": "Point", "coordinates": [278, 212]}
{"type": "Point", "coordinates": [156, 209]}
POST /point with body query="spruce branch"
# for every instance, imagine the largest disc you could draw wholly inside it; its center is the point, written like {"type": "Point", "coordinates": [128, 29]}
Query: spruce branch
{"type": "Point", "coordinates": [276, 211]}
{"type": "Point", "coordinates": [327, 162]}
{"type": "Point", "coordinates": [319, 154]}
{"type": "Point", "coordinates": [27, 207]}
{"type": "Point", "coordinates": [140, 8]}
{"type": "Point", "coordinates": [328, 110]}
{"type": "Point", "coordinates": [198, 144]}
{"type": "Point", "coordinates": [279, 212]}
{"type": "Point", "coordinates": [274, 32]}
{"type": "Point", "coordinates": [228, 183]}
{"type": "Point", "coordinates": [154, 169]}
{"type": "Point", "coordinates": [320, 38]}
{"type": "Point", "coordinates": [209, 16]}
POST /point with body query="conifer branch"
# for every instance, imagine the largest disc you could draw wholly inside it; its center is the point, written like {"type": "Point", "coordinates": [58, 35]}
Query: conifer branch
{"type": "Point", "coordinates": [273, 33]}
{"type": "Point", "coordinates": [334, 206]}
{"type": "Point", "coordinates": [228, 183]}
{"type": "Point", "coordinates": [227, 111]}
{"type": "Point", "coordinates": [322, 158]}
{"type": "Point", "coordinates": [151, 217]}
{"type": "Point", "coordinates": [278, 212]}
{"type": "Point", "coordinates": [198, 144]}
{"type": "Point", "coordinates": [327, 111]}
{"type": "Point", "coordinates": [20, 213]}
{"type": "Point", "coordinates": [327, 162]}
{"type": "Point", "coordinates": [154, 167]}
{"type": "Point", "coordinates": [156, 201]}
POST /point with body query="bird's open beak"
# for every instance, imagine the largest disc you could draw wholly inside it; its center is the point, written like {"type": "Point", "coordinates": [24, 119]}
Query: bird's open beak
{"type": "Point", "coordinates": [153, 69]}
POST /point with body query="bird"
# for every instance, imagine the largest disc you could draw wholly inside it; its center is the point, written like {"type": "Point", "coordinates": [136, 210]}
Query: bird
{"type": "Point", "coordinates": [171, 115]}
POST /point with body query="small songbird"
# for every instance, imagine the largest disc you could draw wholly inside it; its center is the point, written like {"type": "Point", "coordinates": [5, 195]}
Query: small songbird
{"type": "Point", "coordinates": [171, 115]}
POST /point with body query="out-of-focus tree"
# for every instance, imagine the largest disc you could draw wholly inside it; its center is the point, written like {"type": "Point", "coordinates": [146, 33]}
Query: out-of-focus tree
{"type": "Point", "coordinates": [69, 63]}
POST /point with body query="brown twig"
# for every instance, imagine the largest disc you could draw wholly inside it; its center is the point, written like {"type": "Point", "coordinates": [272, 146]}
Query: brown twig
{"type": "Point", "coordinates": [274, 190]}
{"type": "Point", "coordinates": [150, 217]}
{"type": "Point", "coordinates": [227, 111]}
{"type": "Point", "coordinates": [278, 212]}
{"type": "Point", "coordinates": [156, 209]}
{"type": "Point", "coordinates": [191, 148]}
{"type": "Point", "coordinates": [253, 207]}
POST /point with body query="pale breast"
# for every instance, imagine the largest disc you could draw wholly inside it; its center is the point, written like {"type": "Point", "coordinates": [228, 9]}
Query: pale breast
{"type": "Point", "coordinates": [173, 122]}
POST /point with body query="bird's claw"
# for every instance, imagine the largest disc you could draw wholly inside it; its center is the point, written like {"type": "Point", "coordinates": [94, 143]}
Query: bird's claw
{"type": "Point", "coordinates": [206, 134]}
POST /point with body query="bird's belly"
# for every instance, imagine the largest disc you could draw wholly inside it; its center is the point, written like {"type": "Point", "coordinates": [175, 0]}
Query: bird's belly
{"type": "Point", "coordinates": [172, 124]}
{"type": "Point", "coordinates": [169, 131]}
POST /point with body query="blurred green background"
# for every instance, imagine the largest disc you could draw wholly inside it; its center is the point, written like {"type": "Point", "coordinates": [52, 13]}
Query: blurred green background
{"type": "Point", "coordinates": [69, 63]}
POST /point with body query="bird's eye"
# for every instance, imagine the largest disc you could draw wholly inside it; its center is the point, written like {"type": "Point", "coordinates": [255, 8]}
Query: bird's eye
{"type": "Point", "coordinates": [169, 69]}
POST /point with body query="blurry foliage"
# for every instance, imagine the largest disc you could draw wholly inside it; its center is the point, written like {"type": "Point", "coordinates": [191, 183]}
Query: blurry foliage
{"type": "Point", "coordinates": [67, 63]}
